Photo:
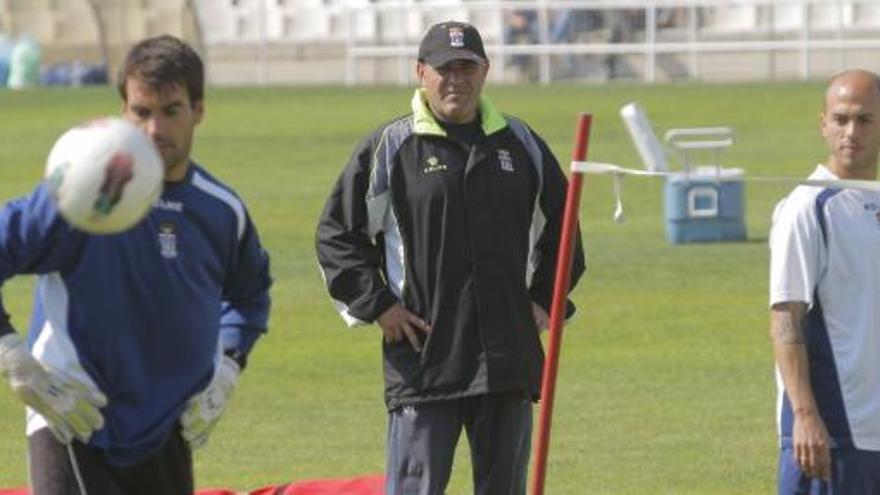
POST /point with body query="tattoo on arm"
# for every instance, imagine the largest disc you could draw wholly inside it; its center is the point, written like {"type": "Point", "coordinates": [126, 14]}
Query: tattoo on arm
{"type": "Point", "coordinates": [788, 325]}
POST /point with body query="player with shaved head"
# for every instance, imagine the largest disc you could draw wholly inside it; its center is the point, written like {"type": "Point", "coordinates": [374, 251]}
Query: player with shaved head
{"type": "Point", "coordinates": [825, 316]}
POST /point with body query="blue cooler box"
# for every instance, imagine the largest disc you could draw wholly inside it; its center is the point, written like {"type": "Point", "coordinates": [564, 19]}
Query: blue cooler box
{"type": "Point", "coordinates": [703, 207]}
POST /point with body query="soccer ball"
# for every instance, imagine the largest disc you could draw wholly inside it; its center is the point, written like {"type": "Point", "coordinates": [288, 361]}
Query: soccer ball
{"type": "Point", "coordinates": [104, 175]}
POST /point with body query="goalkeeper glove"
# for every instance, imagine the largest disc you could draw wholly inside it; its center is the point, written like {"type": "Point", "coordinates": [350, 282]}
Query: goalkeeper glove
{"type": "Point", "coordinates": [71, 408]}
{"type": "Point", "coordinates": [203, 410]}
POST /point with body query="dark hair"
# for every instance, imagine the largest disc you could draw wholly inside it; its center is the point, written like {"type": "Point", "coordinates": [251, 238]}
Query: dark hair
{"type": "Point", "coordinates": [162, 62]}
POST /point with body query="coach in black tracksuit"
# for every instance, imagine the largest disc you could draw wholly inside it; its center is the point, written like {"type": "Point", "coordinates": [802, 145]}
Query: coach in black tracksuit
{"type": "Point", "coordinates": [443, 229]}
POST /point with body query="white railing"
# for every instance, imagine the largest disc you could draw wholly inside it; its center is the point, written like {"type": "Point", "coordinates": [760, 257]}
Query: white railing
{"type": "Point", "coordinates": [374, 41]}
{"type": "Point", "coordinates": [803, 28]}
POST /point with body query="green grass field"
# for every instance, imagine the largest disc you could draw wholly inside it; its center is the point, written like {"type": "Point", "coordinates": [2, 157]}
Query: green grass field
{"type": "Point", "coordinates": [666, 378]}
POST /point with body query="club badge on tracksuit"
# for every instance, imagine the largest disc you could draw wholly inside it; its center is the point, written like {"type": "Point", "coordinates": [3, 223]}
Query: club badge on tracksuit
{"type": "Point", "coordinates": [506, 160]}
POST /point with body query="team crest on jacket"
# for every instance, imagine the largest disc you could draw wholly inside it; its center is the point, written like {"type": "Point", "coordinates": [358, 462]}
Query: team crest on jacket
{"type": "Point", "coordinates": [506, 160]}
{"type": "Point", "coordinates": [456, 37]}
{"type": "Point", "coordinates": [168, 240]}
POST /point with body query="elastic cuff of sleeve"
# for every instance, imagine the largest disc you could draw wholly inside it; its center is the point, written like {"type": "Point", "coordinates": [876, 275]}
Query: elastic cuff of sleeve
{"type": "Point", "coordinates": [370, 310]}
{"type": "Point", "coordinates": [541, 299]}
{"type": "Point", "coordinates": [237, 355]}
{"type": "Point", "coordinates": [569, 309]}
{"type": "Point", "coordinates": [384, 304]}
{"type": "Point", "coordinates": [5, 327]}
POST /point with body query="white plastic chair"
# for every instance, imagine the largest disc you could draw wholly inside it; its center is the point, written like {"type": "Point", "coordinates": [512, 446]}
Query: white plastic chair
{"type": "Point", "coordinates": [682, 143]}
{"type": "Point", "coordinates": [702, 203]}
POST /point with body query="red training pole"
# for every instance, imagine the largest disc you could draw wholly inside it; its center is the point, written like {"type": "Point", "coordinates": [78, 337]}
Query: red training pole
{"type": "Point", "coordinates": [560, 295]}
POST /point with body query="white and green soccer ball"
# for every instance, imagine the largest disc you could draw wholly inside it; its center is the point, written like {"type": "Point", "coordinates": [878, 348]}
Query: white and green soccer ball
{"type": "Point", "coordinates": [104, 175]}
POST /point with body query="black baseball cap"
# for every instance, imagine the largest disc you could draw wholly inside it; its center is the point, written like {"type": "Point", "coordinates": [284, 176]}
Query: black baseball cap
{"type": "Point", "coordinates": [450, 40]}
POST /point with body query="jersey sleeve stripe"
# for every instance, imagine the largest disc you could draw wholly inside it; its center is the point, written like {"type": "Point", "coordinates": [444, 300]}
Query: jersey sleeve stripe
{"type": "Point", "coordinates": [218, 192]}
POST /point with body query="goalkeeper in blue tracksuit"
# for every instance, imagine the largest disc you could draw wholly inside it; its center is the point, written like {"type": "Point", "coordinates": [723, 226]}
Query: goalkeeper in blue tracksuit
{"type": "Point", "coordinates": [136, 339]}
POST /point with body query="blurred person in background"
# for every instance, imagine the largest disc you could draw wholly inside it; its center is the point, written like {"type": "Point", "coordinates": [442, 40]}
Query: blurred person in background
{"type": "Point", "coordinates": [522, 29]}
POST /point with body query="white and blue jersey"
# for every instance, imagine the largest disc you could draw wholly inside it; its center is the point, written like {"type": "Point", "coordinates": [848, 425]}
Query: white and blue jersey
{"type": "Point", "coordinates": [141, 315]}
{"type": "Point", "coordinates": [824, 252]}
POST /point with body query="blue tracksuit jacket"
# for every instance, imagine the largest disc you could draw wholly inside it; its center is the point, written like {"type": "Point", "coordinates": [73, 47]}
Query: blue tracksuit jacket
{"type": "Point", "coordinates": [144, 314]}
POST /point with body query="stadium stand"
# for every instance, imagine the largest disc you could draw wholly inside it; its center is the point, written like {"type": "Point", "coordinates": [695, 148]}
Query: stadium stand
{"type": "Point", "coordinates": [866, 15]}
{"type": "Point", "coordinates": [372, 41]}
{"type": "Point", "coordinates": [731, 19]}
{"type": "Point", "coordinates": [96, 31]}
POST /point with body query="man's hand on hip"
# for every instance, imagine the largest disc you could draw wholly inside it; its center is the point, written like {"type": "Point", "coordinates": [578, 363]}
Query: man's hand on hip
{"type": "Point", "coordinates": [398, 323]}
{"type": "Point", "coordinates": [204, 410]}
{"type": "Point", "coordinates": [812, 445]}
{"type": "Point", "coordinates": [70, 408]}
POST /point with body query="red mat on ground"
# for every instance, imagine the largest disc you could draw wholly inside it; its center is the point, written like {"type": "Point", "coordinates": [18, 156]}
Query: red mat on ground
{"type": "Point", "coordinates": [360, 485]}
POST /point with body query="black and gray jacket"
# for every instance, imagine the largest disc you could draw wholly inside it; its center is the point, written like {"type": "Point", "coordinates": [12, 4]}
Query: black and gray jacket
{"type": "Point", "coordinates": [463, 236]}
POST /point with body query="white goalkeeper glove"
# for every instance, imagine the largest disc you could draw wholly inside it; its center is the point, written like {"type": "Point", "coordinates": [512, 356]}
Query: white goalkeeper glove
{"type": "Point", "coordinates": [203, 410]}
{"type": "Point", "coordinates": [70, 407]}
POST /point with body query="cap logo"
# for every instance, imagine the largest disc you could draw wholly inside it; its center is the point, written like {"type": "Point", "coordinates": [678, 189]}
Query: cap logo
{"type": "Point", "coordinates": [456, 37]}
